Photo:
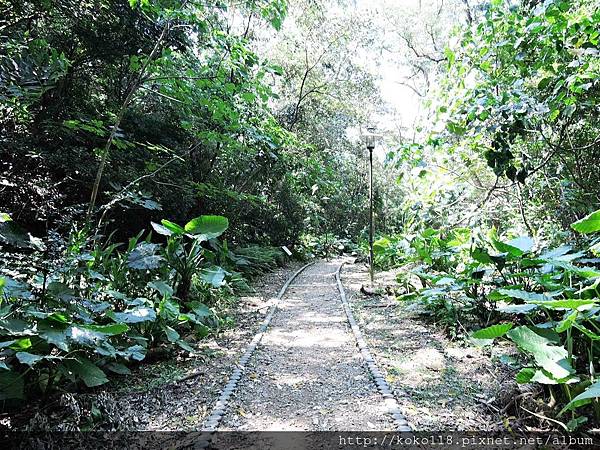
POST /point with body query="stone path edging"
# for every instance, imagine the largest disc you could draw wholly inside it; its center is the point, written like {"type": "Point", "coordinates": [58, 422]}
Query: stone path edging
{"type": "Point", "coordinates": [388, 397]}
{"type": "Point", "coordinates": [212, 422]}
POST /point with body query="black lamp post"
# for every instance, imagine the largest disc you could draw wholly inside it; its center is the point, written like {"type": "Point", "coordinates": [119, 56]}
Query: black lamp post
{"type": "Point", "coordinates": [370, 138]}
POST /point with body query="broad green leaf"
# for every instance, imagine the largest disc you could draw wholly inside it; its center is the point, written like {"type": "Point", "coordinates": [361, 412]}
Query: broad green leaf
{"type": "Point", "coordinates": [517, 309]}
{"type": "Point", "coordinates": [458, 237]}
{"type": "Point", "coordinates": [587, 272]}
{"type": "Point", "coordinates": [492, 332]}
{"type": "Point", "coordinates": [589, 224]}
{"type": "Point", "coordinates": [28, 358]}
{"type": "Point", "coordinates": [16, 289]}
{"type": "Point", "coordinates": [7, 343]}
{"type": "Point", "coordinates": [172, 227]}
{"type": "Point", "coordinates": [59, 317]}
{"type": "Point", "coordinates": [84, 336]}
{"type": "Point", "coordinates": [566, 323]}
{"type": "Point", "coordinates": [515, 247]}
{"type": "Point", "coordinates": [523, 243]}
{"type": "Point", "coordinates": [168, 310]}
{"type": "Point", "coordinates": [430, 232]}
{"type": "Point", "coordinates": [544, 82]}
{"type": "Point", "coordinates": [172, 335]}
{"type": "Point", "coordinates": [86, 370]}
{"type": "Point", "coordinates": [215, 276]}
{"type": "Point", "coordinates": [184, 345]}
{"type": "Point", "coordinates": [555, 253]}
{"type": "Point", "coordinates": [161, 229]}
{"type": "Point", "coordinates": [11, 233]}
{"type": "Point", "coordinates": [136, 315]}
{"type": "Point", "coordinates": [524, 295]}
{"type": "Point", "coordinates": [109, 330]}
{"type": "Point", "coordinates": [593, 391]}
{"type": "Point", "coordinates": [161, 287]}
{"type": "Point", "coordinates": [480, 342]}
{"type": "Point", "coordinates": [15, 327]}
{"type": "Point", "coordinates": [481, 255]}
{"type": "Point", "coordinates": [200, 309]}
{"type": "Point", "coordinates": [445, 281]}
{"type": "Point", "coordinates": [135, 352]}
{"type": "Point", "coordinates": [144, 257]}
{"type": "Point", "coordinates": [543, 377]}
{"type": "Point", "coordinates": [118, 368]}
{"type": "Point", "coordinates": [550, 357]}
{"type": "Point", "coordinates": [21, 344]}
{"type": "Point", "coordinates": [525, 375]}
{"type": "Point", "coordinates": [381, 245]}
{"type": "Point", "coordinates": [207, 227]}
{"type": "Point", "coordinates": [61, 290]}
{"type": "Point", "coordinates": [54, 333]}
{"type": "Point", "coordinates": [565, 304]}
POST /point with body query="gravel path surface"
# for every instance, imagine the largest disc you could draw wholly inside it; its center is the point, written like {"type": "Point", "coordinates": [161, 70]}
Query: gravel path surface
{"type": "Point", "coordinates": [307, 373]}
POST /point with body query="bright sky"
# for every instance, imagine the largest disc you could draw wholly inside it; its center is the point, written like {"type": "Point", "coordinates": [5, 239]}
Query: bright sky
{"type": "Point", "coordinates": [404, 105]}
{"type": "Point", "coordinates": [404, 102]}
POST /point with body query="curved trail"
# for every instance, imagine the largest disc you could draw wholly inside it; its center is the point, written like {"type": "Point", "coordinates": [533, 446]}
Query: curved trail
{"type": "Point", "coordinates": [308, 374]}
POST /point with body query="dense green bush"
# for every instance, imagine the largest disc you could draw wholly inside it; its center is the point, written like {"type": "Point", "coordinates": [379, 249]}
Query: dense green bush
{"type": "Point", "coordinates": [545, 300]}
{"type": "Point", "coordinates": [98, 305]}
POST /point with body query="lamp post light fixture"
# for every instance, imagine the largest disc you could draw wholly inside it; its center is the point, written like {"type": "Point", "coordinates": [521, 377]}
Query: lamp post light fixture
{"type": "Point", "coordinates": [370, 139]}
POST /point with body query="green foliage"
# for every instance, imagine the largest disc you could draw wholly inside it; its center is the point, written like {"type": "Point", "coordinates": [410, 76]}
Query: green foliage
{"type": "Point", "coordinates": [589, 224]}
{"type": "Point", "coordinates": [487, 335]}
{"type": "Point", "coordinates": [546, 301]}
{"type": "Point", "coordinates": [387, 251]}
{"type": "Point", "coordinates": [101, 306]}
{"type": "Point", "coordinates": [254, 260]}
{"type": "Point", "coordinates": [325, 245]}
{"type": "Point", "coordinates": [188, 101]}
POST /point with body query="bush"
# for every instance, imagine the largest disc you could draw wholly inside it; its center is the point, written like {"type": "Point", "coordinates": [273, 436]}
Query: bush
{"type": "Point", "coordinates": [98, 307]}
{"type": "Point", "coordinates": [546, 301]}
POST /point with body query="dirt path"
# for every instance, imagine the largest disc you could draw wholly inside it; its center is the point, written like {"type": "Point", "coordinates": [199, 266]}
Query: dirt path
{"type": "Point", "coordinates": [307, 373]}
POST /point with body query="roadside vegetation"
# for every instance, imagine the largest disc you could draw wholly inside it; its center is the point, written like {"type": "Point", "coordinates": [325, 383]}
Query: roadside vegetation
{"type": "Point", "coordinates": [505, 242]}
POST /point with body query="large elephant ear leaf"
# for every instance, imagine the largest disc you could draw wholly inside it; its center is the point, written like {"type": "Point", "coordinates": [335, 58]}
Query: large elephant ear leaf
{"type": "Point", "coordinates": [540, 344]}
{"type": "Point", "coordinates": [585, 397]}
{"type": "Point", "coordinates": [486, 336]}
{"type": "Point", "coordinates": [173, 227]}
{"type": "Point", "coordinates": [215, 276]}
{"type": "Point", "coordinates": [144, 257]}
{"type": "Point", "coordinates": [589, 224]}
{"type": "Point", "coordinates": [86, 370]}
{"type": "Point", "coordinates": [515, 247]}
{"type": "Point", "coordinates": [207, 227]}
